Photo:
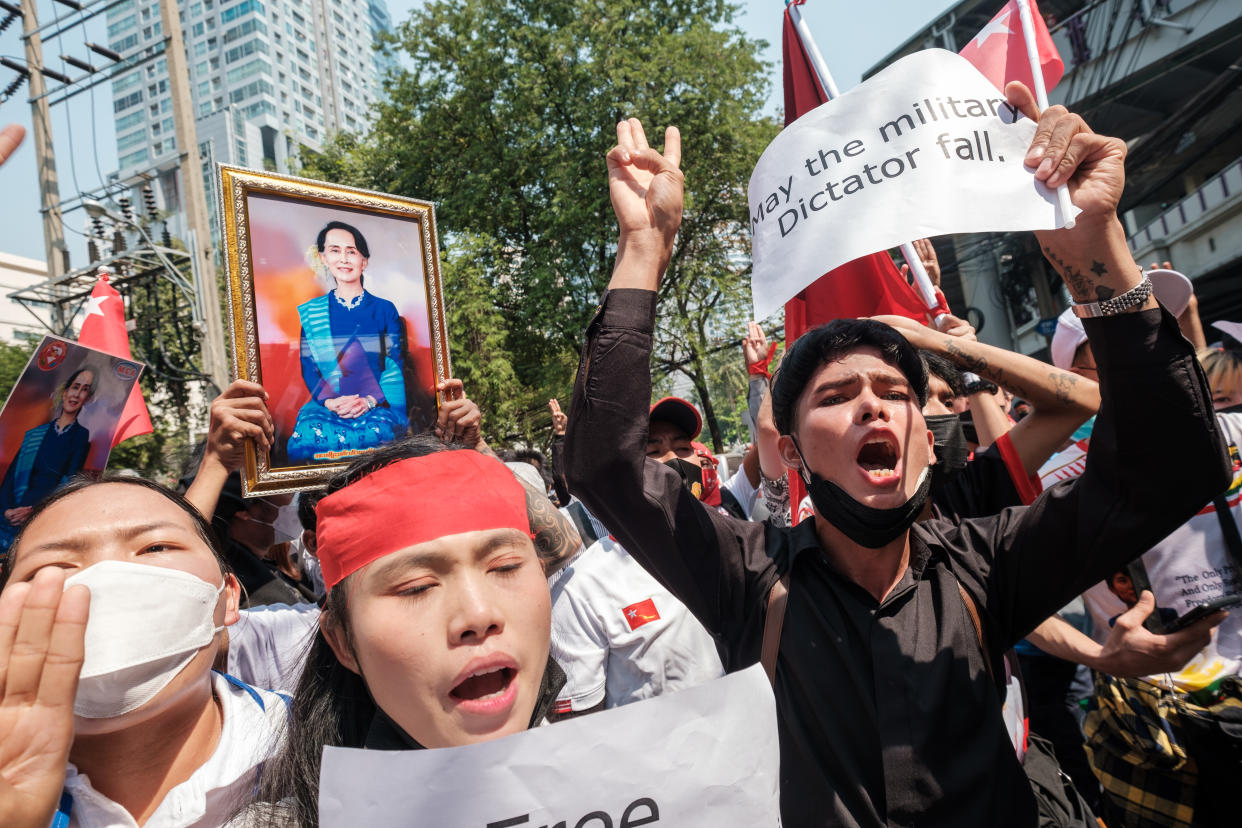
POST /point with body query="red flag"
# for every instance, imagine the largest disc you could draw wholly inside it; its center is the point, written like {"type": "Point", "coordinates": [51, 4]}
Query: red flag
{"type": "Point", "coordinates": [999, 51]}
{"type": "Point", "coordinates": [867, 286]}
{"type": "Point", "coordinates": [104, 329]}
{"type": "Point", "coordinates": [641, 613]}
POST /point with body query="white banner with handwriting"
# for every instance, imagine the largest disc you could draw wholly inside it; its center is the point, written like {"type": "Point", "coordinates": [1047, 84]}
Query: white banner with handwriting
{"type": "Point", "coordinates": [706, 756]}
{"type": "Point", "coordinates": [925, 147]}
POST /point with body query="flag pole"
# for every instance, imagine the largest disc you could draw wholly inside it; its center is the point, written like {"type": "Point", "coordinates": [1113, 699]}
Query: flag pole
{"type": "Point", "coordinates": [921, 280]}
{"type": "Point", "coordinates": [1041, 94]}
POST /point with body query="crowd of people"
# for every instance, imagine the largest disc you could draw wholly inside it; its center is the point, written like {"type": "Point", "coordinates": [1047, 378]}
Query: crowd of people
{"type": "Point", "coordinates": [1001, 602]}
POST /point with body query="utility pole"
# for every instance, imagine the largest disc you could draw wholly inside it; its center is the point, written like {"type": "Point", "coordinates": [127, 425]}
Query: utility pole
{"type": "Point", "coordinates": [53, 223]}
{"type": "Point", "coordinates": [193, 196]}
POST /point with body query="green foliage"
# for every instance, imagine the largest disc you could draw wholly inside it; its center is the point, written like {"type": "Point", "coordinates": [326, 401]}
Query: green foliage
{"type": "Point", "coordinates": [504, 123]}
{"type": "Point", "coordinates": [13, 359]}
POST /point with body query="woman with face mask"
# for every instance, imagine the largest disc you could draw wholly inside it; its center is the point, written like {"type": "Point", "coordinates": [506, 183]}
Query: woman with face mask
{"type": "Point", "coordinates": [435, 631]}
{"type": "Point", "coordinates": [119, 720]}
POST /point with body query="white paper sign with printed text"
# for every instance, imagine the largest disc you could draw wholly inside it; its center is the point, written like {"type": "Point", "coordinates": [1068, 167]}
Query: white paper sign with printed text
{"type": "Point", "coordinates": [706, 756]}
{"type": "Point", "coordinates": [925, 147]}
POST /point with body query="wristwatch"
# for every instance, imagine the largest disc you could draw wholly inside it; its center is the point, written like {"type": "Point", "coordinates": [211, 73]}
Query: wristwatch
{"type": "Point", "coordinates": [1133, 297]}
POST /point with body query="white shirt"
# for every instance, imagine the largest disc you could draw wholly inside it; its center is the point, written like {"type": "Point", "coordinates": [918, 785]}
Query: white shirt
{"type": "Point", "coordinates": [269, 644]}
{"type": "Point", "coordinates": [1190, 567]}
{"type": "Point", "coordinates": [620, 636]}
{"type": "Point", "coordinates": [217, 788]}
{"type": "Point", "coordinates": [746, 494]}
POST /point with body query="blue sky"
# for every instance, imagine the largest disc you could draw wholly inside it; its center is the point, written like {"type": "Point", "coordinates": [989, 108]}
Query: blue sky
{"type": "Point", "coordinates": [852, 36]}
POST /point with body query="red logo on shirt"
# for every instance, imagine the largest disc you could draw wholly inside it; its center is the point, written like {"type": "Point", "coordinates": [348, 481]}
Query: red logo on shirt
{"type": "Point", "coordinates": [563, 706]}
{"type": "Point", "coordinates": [638, 614]}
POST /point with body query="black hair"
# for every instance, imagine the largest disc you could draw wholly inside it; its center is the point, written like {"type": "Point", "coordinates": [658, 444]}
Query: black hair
{"type": "Point", "coordinates": [531, 456]}
{"type": "Point", "coordinates": [826, 343]}
{"type": "Point", "coordinates": [94, 378]}
{"type": "Point", "coordinates": [947, 371]}
{"type": "Point", "coordinates": [307, 501]}
{"type": "Point", "coordinates": [360, 241]}
{"type": "Point", "coordinates": [331, 704]}
{"type": "Point", "coordinates": [201, 527]}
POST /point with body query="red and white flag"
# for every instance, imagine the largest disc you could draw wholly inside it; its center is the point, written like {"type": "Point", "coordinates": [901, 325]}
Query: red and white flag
{"type": "Point", "coordinates": [104, 329]}
{"type": "Point", "coordinates": [869, 286]}
{"type": "Point", "coordinates": [641, 613]}
{"type": "Point", "coordinates": [999, 50]}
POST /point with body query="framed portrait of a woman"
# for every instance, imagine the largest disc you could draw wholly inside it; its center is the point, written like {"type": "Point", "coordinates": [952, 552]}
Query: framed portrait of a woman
{"type": "Point", "coordinates": [336, 309]}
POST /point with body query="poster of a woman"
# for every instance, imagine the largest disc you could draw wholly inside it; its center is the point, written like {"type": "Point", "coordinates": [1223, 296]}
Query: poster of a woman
{"type": "Point", "coordinates": [58, 422]}
{"type": "Point", "coordinates": [337, 312]}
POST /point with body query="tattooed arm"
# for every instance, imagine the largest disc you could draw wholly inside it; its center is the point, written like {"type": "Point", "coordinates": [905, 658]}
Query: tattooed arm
{"type": "Point", "coordinates": [556, 540]}
{"type": "Point", "coordinates": [1060, 401]}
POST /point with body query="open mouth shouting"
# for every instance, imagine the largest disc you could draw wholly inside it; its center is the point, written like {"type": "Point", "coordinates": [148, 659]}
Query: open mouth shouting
{"type": "Point", "coordinates": [877, 459]}
{"type": "Point", "coordinates": [487, 687]}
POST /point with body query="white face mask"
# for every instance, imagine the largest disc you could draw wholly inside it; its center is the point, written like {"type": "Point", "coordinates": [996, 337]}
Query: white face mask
{"type": "Point", "coordinates": [146, 624]}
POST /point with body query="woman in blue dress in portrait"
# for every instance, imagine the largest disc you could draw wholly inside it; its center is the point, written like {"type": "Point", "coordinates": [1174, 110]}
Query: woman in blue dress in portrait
{"type": "Point", "coordinates": [352, 351]}
{"type": "Point", "coordinates": [50, 454]}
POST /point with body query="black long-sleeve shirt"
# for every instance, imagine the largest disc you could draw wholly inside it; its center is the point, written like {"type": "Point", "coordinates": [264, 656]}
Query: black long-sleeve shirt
{"type": "Point", "coordinates": [886, 713]}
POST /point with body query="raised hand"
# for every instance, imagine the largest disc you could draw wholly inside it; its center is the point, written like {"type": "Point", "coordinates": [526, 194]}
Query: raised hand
{"type": "Point", "coordinates": [238, 414]}
{"type": "Point", "coordinates": [646, 191]}
{"type": "Point", "coordinates": [927, 255]}
{"type": "Point", "coordinates": [559, 419]}
{"type": "Point", "coordinates": [42, 626]}
{"type": "Point", "coordinates": [754, 344]}
{"type": "Point", "coordinates": [460, 419]}
{"type": "Point", "coordinates": [1066, 151]}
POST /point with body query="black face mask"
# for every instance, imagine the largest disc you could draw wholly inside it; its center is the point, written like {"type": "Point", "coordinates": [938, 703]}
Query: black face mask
{"type": "Point", "coordinates": [951, 448]}
{"type": "Point", "coordinates": [864, 525]}
{"type": "Point", "coordinates": [691, 475]}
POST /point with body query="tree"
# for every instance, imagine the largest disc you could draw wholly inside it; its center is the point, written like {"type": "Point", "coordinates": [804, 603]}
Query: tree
{"type": "Point", "coordinates": [13, 359]}
{"type": "Point", "coordinates": [504, 123]}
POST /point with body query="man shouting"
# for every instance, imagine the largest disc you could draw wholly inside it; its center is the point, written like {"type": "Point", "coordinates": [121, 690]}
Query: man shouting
{"type": "Point", "coordinates": [887, 711]}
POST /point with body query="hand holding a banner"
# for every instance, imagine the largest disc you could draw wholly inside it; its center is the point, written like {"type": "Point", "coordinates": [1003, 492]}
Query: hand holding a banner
{"type": "Point", "coordinates": [238, 414]}
{"type": "Point", "coordinates": [1064, 150]}
{"type": "Point", "coordinates": [646, 191]}
{"type": "Point", "coordinates": [1092, 257]}
{"type": "Point", "coordinates": [927, 255]}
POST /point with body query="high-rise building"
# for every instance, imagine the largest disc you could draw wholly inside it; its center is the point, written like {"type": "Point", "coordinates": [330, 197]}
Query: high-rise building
{"type": "Point", "coordinates": [267, 78]}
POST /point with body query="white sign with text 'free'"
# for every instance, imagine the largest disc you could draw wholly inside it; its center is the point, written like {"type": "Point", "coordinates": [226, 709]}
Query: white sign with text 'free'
{"type": "Point", "coordinates": [706, 756]}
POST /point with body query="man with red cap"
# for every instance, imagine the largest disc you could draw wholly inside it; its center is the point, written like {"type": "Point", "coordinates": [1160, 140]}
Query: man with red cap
{"type": "Point", "coordinates": [672, 427]}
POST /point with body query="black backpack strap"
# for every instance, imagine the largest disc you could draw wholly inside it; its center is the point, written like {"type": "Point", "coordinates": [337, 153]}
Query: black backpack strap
{"type": "Point", "coordinates": [1229, 529]}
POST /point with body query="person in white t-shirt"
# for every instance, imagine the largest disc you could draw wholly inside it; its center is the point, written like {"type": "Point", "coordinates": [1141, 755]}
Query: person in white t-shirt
{"type": "Point", "coordinates": [620, 636]}
{"type": "Point", "coordinates": [267, 646]}
{"type": "Point", "coordinates": [119, 720]}
{"type": "Point", "coordinates": [1191, 566]}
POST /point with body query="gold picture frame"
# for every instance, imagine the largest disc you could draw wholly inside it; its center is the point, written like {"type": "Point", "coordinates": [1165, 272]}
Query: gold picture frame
{"type": "Point", "coordinates": [280, 279]}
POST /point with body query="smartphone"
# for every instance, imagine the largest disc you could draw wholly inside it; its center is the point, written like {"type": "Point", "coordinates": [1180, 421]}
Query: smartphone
{"type": "Point", "coordinates": [1204, 610]}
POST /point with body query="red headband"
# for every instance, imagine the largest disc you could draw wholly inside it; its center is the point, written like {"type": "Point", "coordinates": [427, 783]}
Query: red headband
{"type": "Point", "coordinates": [414, 501]}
